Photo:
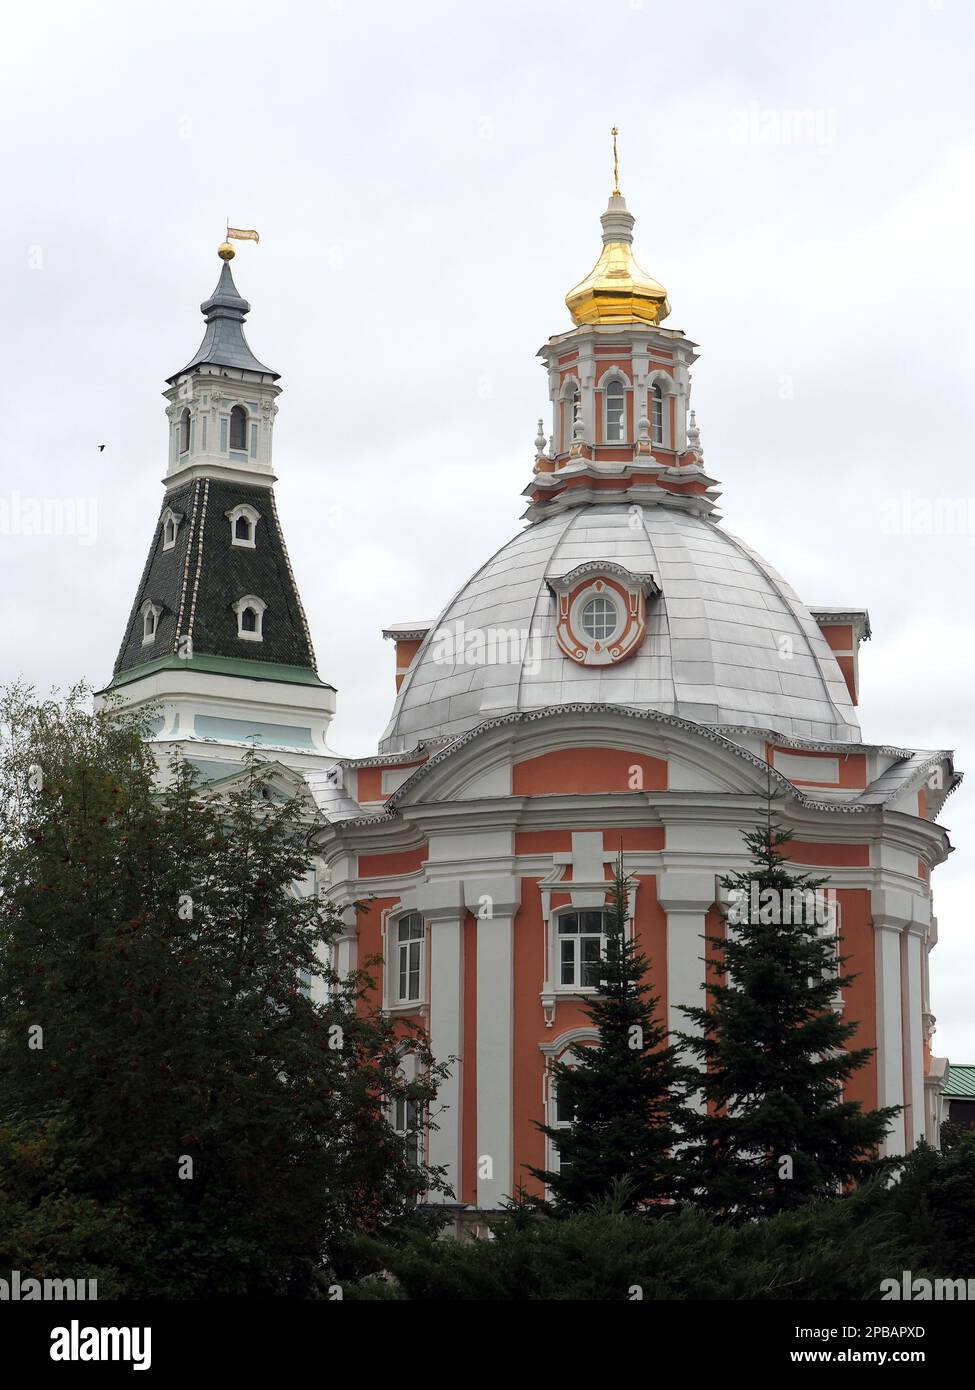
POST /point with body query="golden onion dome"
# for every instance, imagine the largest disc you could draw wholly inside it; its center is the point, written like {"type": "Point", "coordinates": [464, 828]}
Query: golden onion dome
{"type": "Point", "coordinates": [616, 290]}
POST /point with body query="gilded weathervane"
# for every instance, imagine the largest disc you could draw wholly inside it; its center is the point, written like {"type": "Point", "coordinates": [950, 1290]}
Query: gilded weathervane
{"type": "Point", "coordinates": [225, 251]}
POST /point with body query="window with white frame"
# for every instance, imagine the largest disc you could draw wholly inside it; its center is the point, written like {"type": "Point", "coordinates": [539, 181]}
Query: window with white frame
{"type": "Point", "coordinates": [238, 428]}
{"type": "Point", "coordinates": [407, 959]}
{"type": "Point", "coordinates": [580, 941]}
{"type": "Point", "coordinates": [170, 525]}
{"type": "Point", "coordinates": [657, 413]}
{"type": "Point", "coordinates": [570, 401]}
{"type": "Point", "coordinates": [151, 613]}
{"type": "Point", "coordinates": [250, 618]}
{"type": "Point", "coordinates": [614, 398]}
{"type": "Point", "coordinates": [243, 526]}
{"type": "Point", "coordinates": [406, 1123]}
{"type": "Point", "coordinates": [561, 1115]}
{"type": "Point", "coordinates": [600, 618]}
{"type": "Point", "coordinates": [184, 431]}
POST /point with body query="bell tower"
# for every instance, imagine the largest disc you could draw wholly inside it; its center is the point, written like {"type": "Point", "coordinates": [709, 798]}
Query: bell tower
{"type": "Point", "coordinates": [217, 636]}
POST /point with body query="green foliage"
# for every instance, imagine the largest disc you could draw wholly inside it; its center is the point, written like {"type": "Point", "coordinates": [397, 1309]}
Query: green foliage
{"type": "Point", "coordinates": [935, 1197]}
{"type": "Point", "coordinates": [47, 1230]}
{"type": "Point", "coordinates": [204, 1080]}
{"type": "Point", "coordinates": [839, 1249]}
{"type": "Point", "coordinates": [775, 1131]}
{"type": "Point", "coordinates": [623, 1091]}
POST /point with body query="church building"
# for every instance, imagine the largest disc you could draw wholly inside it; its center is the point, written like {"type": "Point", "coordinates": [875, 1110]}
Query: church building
{"type": "Point", "coordinates": [623, 677]}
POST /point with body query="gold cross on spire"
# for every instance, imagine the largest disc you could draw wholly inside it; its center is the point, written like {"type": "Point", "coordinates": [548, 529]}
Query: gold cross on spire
{"type": "Point", "coordinates": [616, 166]}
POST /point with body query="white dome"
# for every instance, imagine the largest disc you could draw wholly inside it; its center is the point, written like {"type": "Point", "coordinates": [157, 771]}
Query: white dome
{"type": "Point", "coordinates": [713, 652]}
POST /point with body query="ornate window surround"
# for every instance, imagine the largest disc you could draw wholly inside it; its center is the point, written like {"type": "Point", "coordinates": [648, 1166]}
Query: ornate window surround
{"type": "Point", "coordinates": [601, 579]}
{"type": "Point", "coordinates": [565, 1048]}
{"type": "Point", "coordinates": [611, 376]}
{"type": "Point", "coordinates": [237, 410]}
{"type": "Point", "coordinates": [151, 613]}
{"type": "Point", "coordinates": [252, 516]}
{"type": "Point", "coordinates": [259, 607]}
{"type": "Point", "coordinates": [571, 391]}
{"type": "Point", "coordinates": [392, 1003]}
{"type": "Point", "coordinates": [594, 894]}
{"type": "Point", "coordinates": [668, 389]}
{"type": "Point", "coordinates": [170, 519]}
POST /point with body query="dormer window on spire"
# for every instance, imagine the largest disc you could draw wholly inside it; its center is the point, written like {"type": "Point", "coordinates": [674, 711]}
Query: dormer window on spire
{"type": "Point", "coordinates": [170, 526]}
{"type": "Point", "coordinates": [243, 525]}
{"type": "Point", "coordinates": [250, 618]}
{"type": "Point", "coordinates": [151, 613]}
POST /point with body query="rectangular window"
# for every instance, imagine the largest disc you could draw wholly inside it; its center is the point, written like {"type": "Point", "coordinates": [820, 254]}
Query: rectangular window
{"type": "Point", "coordinates": [224, 427]}
{"type": "Point", "coordinates": [564, 1113]}
{"type": "Point", "coordinates": [562, 1118]}
{"type": "Point", "coordinates": [405, 1123]}
{"type": "Point", "coordinates": [569, 420]}
{"type": "Point", "coordinates": [203, 444]}
{"type": "Point", "coordinates": [409, 958]}
{"type": "Point", "coordinates": [615, 412]}
{"type": "Point", "coordinates": [253, 441]}
{"type": "Point", "coordinates": [657, 415]}
{"type": "Point", "coordinates": [581, 944]}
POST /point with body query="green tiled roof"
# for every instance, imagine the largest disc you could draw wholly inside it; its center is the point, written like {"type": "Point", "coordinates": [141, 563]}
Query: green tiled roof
{"type": "Point", "coordinates": [195, 583]}
{"type": "Point", "coordinates": [221, 666]}
{"type": "Point", "coordinates": [961, 1080]}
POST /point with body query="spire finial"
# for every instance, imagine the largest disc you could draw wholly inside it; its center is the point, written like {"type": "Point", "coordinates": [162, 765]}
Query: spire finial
{"type": "Point", "coordinates": [225, 251]}
{"type": "Point", "coordinates": [616, 290]}
{"type": "Point", "coordinates": [694, 436]}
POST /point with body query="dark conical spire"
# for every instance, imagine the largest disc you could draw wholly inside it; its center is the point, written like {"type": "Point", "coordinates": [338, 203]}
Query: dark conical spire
{"type": "Point", "coordinates": [224, 344]}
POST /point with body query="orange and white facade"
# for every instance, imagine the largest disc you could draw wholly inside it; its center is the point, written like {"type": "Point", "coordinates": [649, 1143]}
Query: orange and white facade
{"type": "Point", "coordinates": [624, 676]}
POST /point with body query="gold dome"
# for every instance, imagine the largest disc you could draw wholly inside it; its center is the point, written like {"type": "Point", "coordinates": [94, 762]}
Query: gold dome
{"type": "Point", "coordinates": [225, 251]}
{"type": "Point", "coordinates": [616, 290]}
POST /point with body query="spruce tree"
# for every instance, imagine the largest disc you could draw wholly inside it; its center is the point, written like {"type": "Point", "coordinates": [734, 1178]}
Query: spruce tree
{"type": "Point", "coordinates": [171, 1026]}
{"type": "Point", "coordinates": [775, 1129]}
{"type": "Point", "coordinates": [623, 1092]}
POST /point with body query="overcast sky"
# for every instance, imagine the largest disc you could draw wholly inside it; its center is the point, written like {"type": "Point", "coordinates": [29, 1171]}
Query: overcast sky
{"type": "Point", "coordinates": [427, 179]}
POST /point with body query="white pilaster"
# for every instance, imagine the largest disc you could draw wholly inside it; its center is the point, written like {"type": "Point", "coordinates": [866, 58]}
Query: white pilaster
{"type": "Point", "coordinates": [891, 914]}
{"type": "Point", "coordinates": [347, 945]}
{"type": "Point", "coordinates": [494, 902]}
{"type": "Point", "coordinates": [913, 1034]}
{"type": "Point", "coordinates": [441, 904]}
{"type": "Point", "coordinates": [686, 898]}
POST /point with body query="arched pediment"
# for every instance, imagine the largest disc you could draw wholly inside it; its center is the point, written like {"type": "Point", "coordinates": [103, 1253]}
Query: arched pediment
{"type": "Point", "coordinates": [561, 750]}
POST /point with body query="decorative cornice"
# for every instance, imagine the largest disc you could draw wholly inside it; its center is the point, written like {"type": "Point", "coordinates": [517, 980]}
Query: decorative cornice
{"type": "Point", "coordinates": [647, 716]}
{"type": "Point", "coordinates": [562, 584]}
{"type": "Point", "coordinates": [858, 618]}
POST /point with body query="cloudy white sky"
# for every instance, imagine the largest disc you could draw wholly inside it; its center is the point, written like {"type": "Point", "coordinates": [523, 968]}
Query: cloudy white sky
{"type": "Point", "coordinates": [427, 180]}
